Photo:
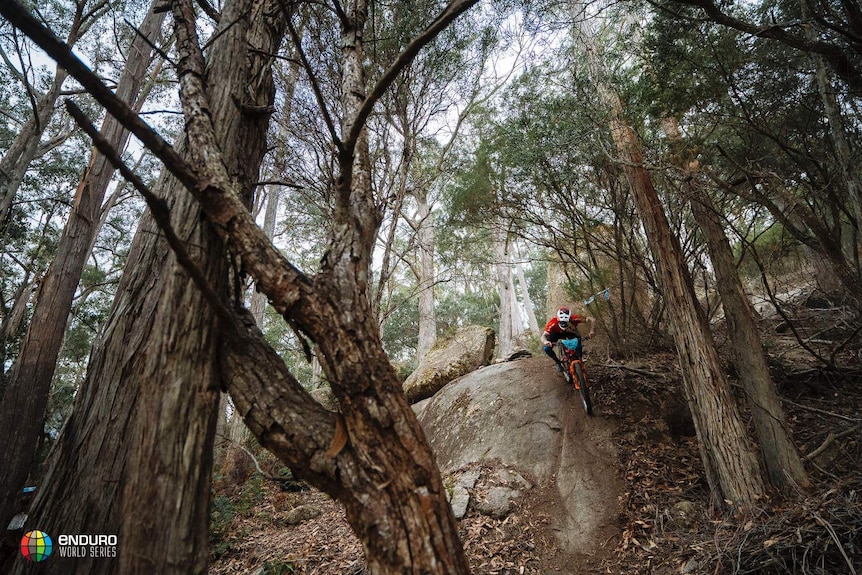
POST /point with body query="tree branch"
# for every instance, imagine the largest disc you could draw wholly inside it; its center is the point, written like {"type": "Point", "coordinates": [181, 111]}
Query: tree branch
{"type": "Point", "coordinates": [318, 94]}
{"type": "Point", "coordinates": [209, 10]}
{"type": "Point", "coordinates": [155, 48]}
{"type": "Point", "coordinates": [835, 54]}
{"type": "Point", "coordinates": [830, 439]}
{"type": "Point", "coordinates": [454, 9]}
{"type": "Point", "coordinates": [159, 209]}
{"type": "Point", "coordinates": [276, 276]}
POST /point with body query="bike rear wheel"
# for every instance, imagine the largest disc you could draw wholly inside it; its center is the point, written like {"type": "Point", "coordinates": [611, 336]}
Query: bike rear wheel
{"type": "Point", "coordinates": [583, 390]}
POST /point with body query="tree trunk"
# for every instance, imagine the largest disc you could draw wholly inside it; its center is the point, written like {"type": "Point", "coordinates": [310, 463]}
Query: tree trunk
{"type": "Point", "coordinates": [10, 324]}
{"type": "Point", "coordinates": [515, 305]}
{"type": "Point", "coordinates": [17, 159]}
{"type": "Point", "coordinates": [732, 468]}
{"type": "Point", "coordinates": [258, 300]}
{"type": "Point", "coordinates": [427, 313]}
{"type": "Point", "coordinates": [843, 154]}
{"type": "Point", "coordinates": [557, 288]}
{"type": "Point", "coordinates": [373, 457]}
{"type": "Point", "coordinates": [528, 301]}
{"type": "Point", "coordinates": [783, 464]}
{"type": "Point", "coordinates": [138, 447]}
{"type": "Point", "coordinates": [504, 288]}
{"type": "Point", "coordinates": [790, 211]}
{"type": "Point", "coordinates": [23, 408]}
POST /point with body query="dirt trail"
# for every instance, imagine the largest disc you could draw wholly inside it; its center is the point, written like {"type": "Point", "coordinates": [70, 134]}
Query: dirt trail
{"type": "Point", "coordinates": [586, 479]}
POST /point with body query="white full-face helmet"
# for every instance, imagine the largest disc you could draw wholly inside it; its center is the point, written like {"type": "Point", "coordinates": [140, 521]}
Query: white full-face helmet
{"type": "Point", "coordinates": [563, 316]}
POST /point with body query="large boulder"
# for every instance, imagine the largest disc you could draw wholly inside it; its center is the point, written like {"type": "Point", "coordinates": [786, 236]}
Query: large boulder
{"type": "Point", "coordinates": [525, 427]}
{"type": "Point", "coordinates": [469, 349]}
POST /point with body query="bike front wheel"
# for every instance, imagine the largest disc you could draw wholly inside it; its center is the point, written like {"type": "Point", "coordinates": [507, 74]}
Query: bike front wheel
{"type": "Point", "coordinates": [583, 389]}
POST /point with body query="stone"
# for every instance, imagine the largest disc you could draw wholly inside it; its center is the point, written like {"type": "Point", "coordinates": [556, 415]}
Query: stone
{"type": "Point", "coordinates": [469, 349]}
{"type": "Point", "coordinates": [684, 514]}
{"type": "Point", "coordinates": [459, 501]}
{"type": "Point", "coordinates": [519, 420]}
{"type": "Point", "coordinates": [301, 513]}
{"type": "Point", "coordinates": [498, 502]}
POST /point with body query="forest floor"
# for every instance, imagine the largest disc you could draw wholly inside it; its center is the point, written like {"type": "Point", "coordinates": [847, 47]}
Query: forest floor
{"type": "Point", "coordinates": [666, 522]}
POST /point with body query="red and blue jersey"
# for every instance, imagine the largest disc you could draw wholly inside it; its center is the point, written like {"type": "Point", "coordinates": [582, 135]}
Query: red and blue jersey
{"type": "Point", "coordinates": [554, 331]}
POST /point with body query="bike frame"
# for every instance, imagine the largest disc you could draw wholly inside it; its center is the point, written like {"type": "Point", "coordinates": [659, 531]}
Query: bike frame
{"type": "Point", "coordinates": [572, 355]}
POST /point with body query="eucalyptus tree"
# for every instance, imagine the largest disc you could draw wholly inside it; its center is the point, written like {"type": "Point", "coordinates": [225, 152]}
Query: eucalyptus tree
{"type": "Point", "coordinates": [26, 398]}
{"type": "Point", "coordinates": [759, 111]}
{"type": "Point", "coordinates": [565, 195]}
{"type": "Point", "coordinates": [442, 86]}
{"type": "Point", "coordinates": [173, 346]}
{"type": "Point", "coordinates": [474, 200]}
{"type": "Point", "coordinates": [41, 100]}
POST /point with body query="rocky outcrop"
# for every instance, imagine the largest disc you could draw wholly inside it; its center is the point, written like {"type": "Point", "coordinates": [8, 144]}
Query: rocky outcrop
{"type": "Point", "coordinates": [525, 429]}
{"type": "Point", "coordinates": [469, 349]}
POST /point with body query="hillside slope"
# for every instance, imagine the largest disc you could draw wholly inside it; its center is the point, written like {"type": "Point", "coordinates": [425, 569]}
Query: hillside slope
{"type": "Point", "coordinates": [623, 492]}
{"type": "Point", "coordinates": [540, 474]}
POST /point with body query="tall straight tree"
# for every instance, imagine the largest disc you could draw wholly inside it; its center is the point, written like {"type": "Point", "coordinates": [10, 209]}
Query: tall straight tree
{"type": "Point", "coordinates": [504, 287]}
{"type": "Point", "coordinates": [23, 406]}
{"type": "Point", "coordinates": [781, 457]}
{"type": "Point", "coordinates": [732, 468]}
{"type": "Point", "coordinates": [373, 456]}
{"type": "Point", "coordinates": [139, 442]}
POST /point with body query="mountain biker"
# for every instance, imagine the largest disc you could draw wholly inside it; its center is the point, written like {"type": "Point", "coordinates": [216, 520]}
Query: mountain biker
{"type": "Point", "coordinates": [564, 324]}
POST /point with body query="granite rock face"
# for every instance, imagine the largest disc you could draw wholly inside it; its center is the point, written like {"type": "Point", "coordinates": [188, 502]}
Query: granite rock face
{"type": "Point", "coordinates": [469, 349]}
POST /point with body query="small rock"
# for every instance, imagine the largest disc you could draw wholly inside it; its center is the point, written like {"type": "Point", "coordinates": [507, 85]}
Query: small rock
{"type": "Point", "coordinates": [301, 513]}
{"type": "Point", "coordinates": [512, 478]}
{"type": "Point", "coordinates": [460, 501]}
{"type": "Point", "coordinates": [469, 478]}
{"type": "Point", "coordinates": [498, 503]}
{"type": "Point", "coordinates": [690, 566]}
{"type": "Point", "coordinates": [518, 354]}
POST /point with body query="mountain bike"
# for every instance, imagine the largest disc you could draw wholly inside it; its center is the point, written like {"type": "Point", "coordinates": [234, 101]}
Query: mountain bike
{"type": "Point", "coordinates": [572, 357]}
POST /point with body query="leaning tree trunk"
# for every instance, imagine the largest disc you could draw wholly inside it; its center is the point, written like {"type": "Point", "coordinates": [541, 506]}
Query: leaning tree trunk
{"type": "Point", "coordinates": [17, 159]}
{"type": "Point", "coordinates": [135, 457]}
{"type": "Point", "coordinates": [732, 468]}
{"type": "Point", "coordinates": [783, 464]}
{"type": "Point", "coordinates": [23, 407]}
{"type": "Point", "coordinates": [372, 456]}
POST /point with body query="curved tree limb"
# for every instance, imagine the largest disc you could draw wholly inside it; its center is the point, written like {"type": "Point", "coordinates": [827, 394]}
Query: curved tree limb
{"type": "Point", "coordinates": [835, 54]}
{"type": "Point", "coordinates": [277, 277]}
{"type": "Point", "coordinates": [454, 9]}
